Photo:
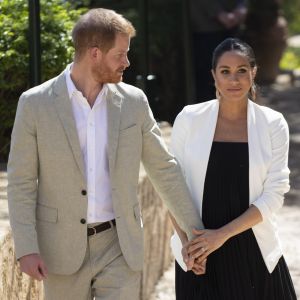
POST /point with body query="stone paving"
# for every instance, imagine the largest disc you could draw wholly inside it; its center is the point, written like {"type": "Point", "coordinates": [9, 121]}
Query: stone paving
{"type": "Point", "coordinates": [286, 99]}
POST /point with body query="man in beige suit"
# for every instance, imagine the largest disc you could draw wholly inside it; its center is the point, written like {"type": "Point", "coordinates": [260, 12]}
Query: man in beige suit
{"type": "Point", "coordinates": [76, 148]}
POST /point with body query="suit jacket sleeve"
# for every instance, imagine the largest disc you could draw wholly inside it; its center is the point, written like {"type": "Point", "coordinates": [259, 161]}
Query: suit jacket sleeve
{"type": "Point", "coordinates": [22, 179]}
{"type": "Point", "coordinates": [277, 181]}
{"type": "Point", "coordinates": [165, 174]}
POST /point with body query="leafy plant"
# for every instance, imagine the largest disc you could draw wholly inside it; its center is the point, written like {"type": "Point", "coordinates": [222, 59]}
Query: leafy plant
{"type": "Point", "coordinates": [57, 19]}
{"type": "Point", "coordinates": [290, 59]}
{"type": "Point", "coordinates": [291, 10]}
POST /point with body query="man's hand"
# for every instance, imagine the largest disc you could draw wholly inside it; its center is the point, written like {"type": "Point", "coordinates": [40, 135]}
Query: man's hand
{"type": "Point", "coordinates": [34, 266]}
{"type": "Point", "coordinates": [199, 268]}
{"type": "Point", "coordinates": [227, 19]}
{"type": "Point", "coordinates": [240, 14]}
{"type": "Point", "coordinates": [189, 261]}
{"type": "Point", "coordinates": [232, 19]}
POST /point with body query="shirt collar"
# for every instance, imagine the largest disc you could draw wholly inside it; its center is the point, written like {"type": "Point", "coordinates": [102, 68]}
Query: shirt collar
{"type": "Point", "coordinates": [72, 88]}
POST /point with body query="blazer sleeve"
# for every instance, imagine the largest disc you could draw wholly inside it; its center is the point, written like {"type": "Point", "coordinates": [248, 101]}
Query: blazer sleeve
{"type": "Point", "coordinates": [22, 179]}
{"type": "Point", "coordinates": [277, 180]}
{"type": "Point", "coordinates": [178, 138]}
{"type": "Point", "coordinates": [165, 174]}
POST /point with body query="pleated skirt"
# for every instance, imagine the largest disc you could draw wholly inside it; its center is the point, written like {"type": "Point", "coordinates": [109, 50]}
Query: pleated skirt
{"type": "Point", "coordinates": [235, 271]}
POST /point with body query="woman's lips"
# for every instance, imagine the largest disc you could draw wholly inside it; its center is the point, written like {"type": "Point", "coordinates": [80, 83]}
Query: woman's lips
{"type": "Point", "coordinates": [234, 90]}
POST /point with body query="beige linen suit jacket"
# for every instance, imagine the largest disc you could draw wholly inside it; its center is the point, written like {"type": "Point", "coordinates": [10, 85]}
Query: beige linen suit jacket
{"type": "Point", "coordinates": [46, 175]}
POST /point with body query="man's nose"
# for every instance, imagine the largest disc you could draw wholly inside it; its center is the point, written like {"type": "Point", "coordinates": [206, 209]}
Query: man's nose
{"type": "Point", "coordinates": [126, 62]}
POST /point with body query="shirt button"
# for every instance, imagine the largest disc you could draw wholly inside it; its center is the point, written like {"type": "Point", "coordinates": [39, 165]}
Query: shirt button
{"type": "Point", "coordinates": [83, 192]}
{"type": "Point", "coordinates": [82, 221]}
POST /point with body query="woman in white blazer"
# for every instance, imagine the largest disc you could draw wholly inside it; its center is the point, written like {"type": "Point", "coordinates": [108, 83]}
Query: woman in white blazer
{"type": "Point", "coordinates": [234, 156]}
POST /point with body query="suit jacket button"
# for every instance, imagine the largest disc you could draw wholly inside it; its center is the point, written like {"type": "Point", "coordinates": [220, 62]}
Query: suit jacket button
{"type": "Point", "coordinates": [83, 192]}
{"type": "Point", "coordinates": [82, 221]}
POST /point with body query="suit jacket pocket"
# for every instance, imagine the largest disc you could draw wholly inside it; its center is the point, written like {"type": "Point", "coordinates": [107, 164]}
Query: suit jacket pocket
{"type": "Point", "coordinates": [46, 213]}
{"type": "Point", "coordinates": [128, 131]}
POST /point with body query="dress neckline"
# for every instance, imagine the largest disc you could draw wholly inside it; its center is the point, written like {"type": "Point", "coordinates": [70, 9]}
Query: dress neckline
{"type": "Point", "coordinates": [229, 142]}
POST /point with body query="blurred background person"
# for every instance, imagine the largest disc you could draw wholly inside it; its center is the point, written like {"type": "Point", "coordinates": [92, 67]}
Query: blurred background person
{"type": "Point", "coordinates": [211, 22]}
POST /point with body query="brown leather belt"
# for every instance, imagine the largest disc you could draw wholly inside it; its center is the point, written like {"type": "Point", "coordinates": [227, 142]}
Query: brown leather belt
{"type": "Point", "coordinates": [100, 227]}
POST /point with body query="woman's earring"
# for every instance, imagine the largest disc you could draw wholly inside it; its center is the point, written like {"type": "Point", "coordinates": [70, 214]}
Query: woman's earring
{"type": "Point", "coordinates": [253, 91]}
{"type": "Point", "coordinates": [218, 96]}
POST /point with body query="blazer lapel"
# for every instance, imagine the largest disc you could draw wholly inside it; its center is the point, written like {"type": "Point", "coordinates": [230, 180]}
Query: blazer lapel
{"type": "Point", "coordinates": [114, 102]}
{"type": "Point", "coordinates": [65, 112]}
{"type": "Point", "coordinates": [208, 128]}
{"type": "Point", "coordinates": [200, 142]}
{"type": "Point", "coordinates": [255, 155]}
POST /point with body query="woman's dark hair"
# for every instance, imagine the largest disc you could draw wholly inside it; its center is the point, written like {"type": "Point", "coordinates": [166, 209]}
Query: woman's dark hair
{"type": "Point", "coordinates": [233, 44]}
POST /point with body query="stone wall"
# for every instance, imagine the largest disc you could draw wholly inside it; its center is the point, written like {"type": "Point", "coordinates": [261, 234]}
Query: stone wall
{"type": "Point", "coordinates": [157, 231]}
{"type": "Point", "coordinates": [15, 285]}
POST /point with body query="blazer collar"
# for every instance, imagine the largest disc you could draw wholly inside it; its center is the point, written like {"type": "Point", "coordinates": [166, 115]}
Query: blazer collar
{"type": "Point", "coordinates": [206, 126]}
{"type": "Point", "coordinates": [64, 110]}
{"type": "Point", "coordinates": [254, 146]}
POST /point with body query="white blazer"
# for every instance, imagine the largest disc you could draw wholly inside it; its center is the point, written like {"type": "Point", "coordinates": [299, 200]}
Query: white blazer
{"type": "Point", "coordinates": [268, 142]}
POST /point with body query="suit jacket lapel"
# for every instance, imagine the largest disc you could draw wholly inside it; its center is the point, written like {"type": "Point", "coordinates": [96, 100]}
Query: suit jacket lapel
{"type": "Point", "coordinates": [114, 102]}
{"type": "Point", "coordinates": [65, 112]}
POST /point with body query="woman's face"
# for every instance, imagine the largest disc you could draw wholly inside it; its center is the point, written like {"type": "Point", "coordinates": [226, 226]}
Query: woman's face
{"type": "Point", "coordinates": [233, 76]}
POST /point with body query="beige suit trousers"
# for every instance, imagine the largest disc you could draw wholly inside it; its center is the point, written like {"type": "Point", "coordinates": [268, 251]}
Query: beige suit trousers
{"type": "Point", "coordinates": [103, 275]}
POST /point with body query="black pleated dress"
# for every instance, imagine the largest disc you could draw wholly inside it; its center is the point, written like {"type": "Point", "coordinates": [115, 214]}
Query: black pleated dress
{"type": "Point", "coordinates": [235, 271]}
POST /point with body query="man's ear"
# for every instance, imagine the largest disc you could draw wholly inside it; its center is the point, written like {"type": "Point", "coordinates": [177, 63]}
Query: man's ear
{"type": "Point", "coordinates": [95, 53]}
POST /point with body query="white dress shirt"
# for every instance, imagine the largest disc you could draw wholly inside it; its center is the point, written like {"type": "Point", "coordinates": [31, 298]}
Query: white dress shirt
{"type": "Point", "coordinates": [91, 124]}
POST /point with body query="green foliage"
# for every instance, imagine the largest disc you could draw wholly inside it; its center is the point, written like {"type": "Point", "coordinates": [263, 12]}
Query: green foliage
{"type": "Point", "coordinates": [290, 59]}
{"type": "Point", "coordinates": [291, 56]}
{"type": "Point", "coordinates": [57, 19]}
{"type": "Point", "coordinates": [291, 10]}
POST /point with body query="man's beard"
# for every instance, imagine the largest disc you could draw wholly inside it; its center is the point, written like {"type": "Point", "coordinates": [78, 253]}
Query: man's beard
{"type": "Point", "coordinates": [104, 75]}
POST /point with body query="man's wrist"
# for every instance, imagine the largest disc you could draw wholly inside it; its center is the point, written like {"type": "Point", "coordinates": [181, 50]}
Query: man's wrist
{"type": "Point", "coordinates": [183, 238]}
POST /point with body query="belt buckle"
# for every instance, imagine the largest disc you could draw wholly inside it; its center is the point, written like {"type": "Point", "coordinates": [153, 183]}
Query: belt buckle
{"type": "Point", "coordinates": [95, 232]}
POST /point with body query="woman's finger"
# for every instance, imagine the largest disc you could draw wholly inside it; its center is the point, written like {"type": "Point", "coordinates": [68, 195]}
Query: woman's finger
{"type": "Point", "coordinates": [199, 252]}
{"type": "Point", "coordinates": [195, 247]}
